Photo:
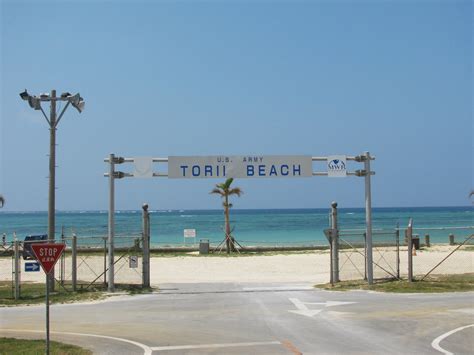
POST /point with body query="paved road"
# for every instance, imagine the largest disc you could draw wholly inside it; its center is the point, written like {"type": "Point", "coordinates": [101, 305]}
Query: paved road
{"type": "Point", "coordinates": [263, 319]}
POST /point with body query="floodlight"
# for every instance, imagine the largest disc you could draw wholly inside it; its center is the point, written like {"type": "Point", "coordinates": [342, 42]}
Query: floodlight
{"type": "Point", "coordinates": [44, 95]}
{"type": "Point", "coordinates": [77, 102]}
{"type": "Point", "coordinates": [34, 102]}
{"type": "Point", "coordinates": [65, 94]}
{"type": "Point", "coordinates": [24, 95]}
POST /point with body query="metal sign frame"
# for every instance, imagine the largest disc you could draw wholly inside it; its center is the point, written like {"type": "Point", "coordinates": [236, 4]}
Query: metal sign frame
{"type": "Point", "coordinates": [113, 160]}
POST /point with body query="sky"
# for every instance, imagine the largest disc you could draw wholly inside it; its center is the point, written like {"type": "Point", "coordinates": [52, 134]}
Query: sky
{"type": "Point", "coordinates": [164, 78]}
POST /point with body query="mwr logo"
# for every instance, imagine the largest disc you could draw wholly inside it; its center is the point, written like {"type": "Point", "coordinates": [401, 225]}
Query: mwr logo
{"type": "Point", "coordinates": [337, 164]}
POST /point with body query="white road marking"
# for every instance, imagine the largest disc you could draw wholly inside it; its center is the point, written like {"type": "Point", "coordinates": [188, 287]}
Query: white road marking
{"type": "Point", "coordinates": [435, 343]}
{"type": "Point", "coordinates": [279, 288]}
{"type": "Point", "coordinates": [305, 311]}
{"type": "Point", "coordinates": [147, 350]}
{"type": "Point", "coordinates": [204, 346]}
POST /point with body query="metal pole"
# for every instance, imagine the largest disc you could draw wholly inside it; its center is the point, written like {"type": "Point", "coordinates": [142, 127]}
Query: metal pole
{"type": "Point", "coordinates": [146, 247]}
{"type": "Point", "coordinates": [52, 177]}
{"type": "Point", "coordinates": [368, 220]}
{"type": "Point", "coordinates": [105, 261]}
{"type": "Point", "coordinates": [410, 247]}
{"type": "Point", "coordinates": [397, 235]}
{"type": "Point", "coordinates": [63, 259]}
{"type": "Point", "coordinates": [47, 314]}
{"type": "Point", "coordinates": [335, 242]}
{"type": "Point", "coordinates": [111, 286]}
{"type": "Point", "coordinates": [74, 263]}
{"type": "Point", "coordinates": [16, 248]}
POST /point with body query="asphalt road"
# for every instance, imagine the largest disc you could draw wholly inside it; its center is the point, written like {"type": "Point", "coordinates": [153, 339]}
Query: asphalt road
{"type": "Point", "coordinates": [257, 319]}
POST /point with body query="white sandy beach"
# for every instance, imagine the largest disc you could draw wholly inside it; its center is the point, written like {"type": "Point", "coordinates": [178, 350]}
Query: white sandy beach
{"type": "Point", "coordinates": [308, 267]}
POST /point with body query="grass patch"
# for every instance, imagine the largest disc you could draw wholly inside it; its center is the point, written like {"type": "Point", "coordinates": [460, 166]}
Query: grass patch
{"type": "Point", "coordinates": [432, 284]}
{"type": "Point", "coordinates": [34, 293]}
{"type": "Point", "coordinates": [34, 347]}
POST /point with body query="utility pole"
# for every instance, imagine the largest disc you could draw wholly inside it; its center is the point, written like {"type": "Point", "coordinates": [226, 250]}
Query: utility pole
{"type": "Point", "coordinates": [35, 102]}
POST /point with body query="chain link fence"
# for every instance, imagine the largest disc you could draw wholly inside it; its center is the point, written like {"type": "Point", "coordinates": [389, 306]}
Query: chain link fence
{"type": "Point", "coordinates": [352, 254]}
{"type": "Point", "coordinates": [83, 264]}
{"type": "Point", "coordinates": [441, 251]}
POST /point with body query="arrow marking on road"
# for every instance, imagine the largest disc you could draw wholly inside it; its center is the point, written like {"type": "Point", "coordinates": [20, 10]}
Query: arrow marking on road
{"type": "Point", "coordinates": [305, 311]}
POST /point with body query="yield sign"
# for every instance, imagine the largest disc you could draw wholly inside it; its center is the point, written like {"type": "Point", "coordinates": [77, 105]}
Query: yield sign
{"type": "Point", "coordinates": [48, 254]}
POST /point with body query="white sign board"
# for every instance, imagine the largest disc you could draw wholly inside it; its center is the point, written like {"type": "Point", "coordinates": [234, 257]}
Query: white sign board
{"type": "Point", "coordinates": [190, 233]}
{"type": "Point", "coordinates": [143, 167]}
{"type": "Point", "coordinates": [337, 166]}
{"type": "Point", "coordinates": [133, 262]}
{"type": "Point", "coordinates": [242, 166]}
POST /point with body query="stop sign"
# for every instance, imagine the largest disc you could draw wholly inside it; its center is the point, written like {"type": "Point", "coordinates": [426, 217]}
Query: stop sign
{"type": "Point", "coordinates": [48, 254]}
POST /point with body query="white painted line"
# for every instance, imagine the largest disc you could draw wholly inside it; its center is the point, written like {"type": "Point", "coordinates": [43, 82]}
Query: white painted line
{"type": "Point", "coordinates": [435, 343]}
{"type": "Point", "coordinates": [279, 288]}
{"type": "Point", "coordinates": [204, 346]}
{"type": "Point", "coordinates": [147, 350]}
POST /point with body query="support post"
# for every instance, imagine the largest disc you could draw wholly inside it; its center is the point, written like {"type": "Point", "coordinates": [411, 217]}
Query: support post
{"type": "Point", "coordinates": [105, 261]}
{"type": "Point", "coordinates": [47, 313]}
{"type": "Point", "coordinates": [410, 250]}
{"type": "Point", "coordinates": [63, 259]}
{"type": "Point", "coordinates": [397, 236]}
{"type": "Point", "coordinates": [74, 262]}
{"type": "Point", "coordinates": [146, 246]}
{"type": "Point", "coordinates": [111, 285]}
{"type": "Point", "coordinates": [451, 239]}
{"type": "Point", "coordinates": [427, 240]}
{"type": "Point", "coordinates": [16, 268]}
{"type": "Point", "coordinates": [334, 243]}
{"type": "Point", "coordinates": [368, 220]}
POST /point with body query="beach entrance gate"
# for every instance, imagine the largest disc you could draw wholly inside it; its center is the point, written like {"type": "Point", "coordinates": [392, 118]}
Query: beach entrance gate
{"type": "Point", "coordinates": [245, 166]}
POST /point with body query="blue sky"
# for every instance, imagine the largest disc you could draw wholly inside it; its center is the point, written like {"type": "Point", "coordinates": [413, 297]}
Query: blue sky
{"type": "Point", "coordinates": [236, 78]}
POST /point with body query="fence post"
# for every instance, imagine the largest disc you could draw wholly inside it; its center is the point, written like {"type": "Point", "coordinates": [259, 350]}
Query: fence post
{"type": "Point", "coordinates": [397, 236]}
{"type": "Point", "coordinates": [74, 262]}
{"type": "Point", "coordinates": [63, 260]}
{"type": "Point", "coordinates": [451, 239]}
{"type": "Point", "coordinates": [410, 247]}
{"type": "Point", "coordinates": [334, 243]}
{"type": "Point", "coordinates": [105, 261]}
{"type": "Point", "coordinates": [427, 240]}
{"type": "Point", "coordinates": [16, 269]}
{"type": "Point", "coordinates": [146, 247]}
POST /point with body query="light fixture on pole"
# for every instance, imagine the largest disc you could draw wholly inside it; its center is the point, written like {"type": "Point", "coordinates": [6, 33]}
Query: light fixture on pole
{"type": "Point", "coordinates": [53, 120]}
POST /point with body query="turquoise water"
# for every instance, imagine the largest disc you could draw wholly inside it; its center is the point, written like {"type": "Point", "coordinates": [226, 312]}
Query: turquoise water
{"type": "Point", "coordinates": [252, 227]}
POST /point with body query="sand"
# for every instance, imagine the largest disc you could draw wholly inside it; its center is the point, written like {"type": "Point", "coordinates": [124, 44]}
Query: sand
{"type": "Point", "coordinates": [308, 267]}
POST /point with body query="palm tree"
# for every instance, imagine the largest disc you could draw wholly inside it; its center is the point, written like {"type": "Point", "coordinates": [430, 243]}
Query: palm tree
{"type": "Point", "coordinates": [2, 201]}
{"type": "Point", "coordinates": [225, 191]}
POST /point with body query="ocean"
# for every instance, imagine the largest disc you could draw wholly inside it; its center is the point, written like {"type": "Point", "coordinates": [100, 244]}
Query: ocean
{"type": "Point", "coordinates": [251, 227]}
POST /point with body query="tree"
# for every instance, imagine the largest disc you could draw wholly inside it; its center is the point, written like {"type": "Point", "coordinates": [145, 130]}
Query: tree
{"type": "Point", "coordinates": [224, 190]}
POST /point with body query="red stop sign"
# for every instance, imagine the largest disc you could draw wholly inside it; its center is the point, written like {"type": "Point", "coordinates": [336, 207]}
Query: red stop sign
{"type": "Point", "coordinates": [48, 254]}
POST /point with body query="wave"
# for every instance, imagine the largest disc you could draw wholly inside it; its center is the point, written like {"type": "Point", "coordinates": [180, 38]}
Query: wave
{"type": "Point", "coordinates": [187, 215]}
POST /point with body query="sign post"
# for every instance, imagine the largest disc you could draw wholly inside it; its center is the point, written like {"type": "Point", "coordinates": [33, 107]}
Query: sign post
{"type": "Point", "coordinates": [47, 255]}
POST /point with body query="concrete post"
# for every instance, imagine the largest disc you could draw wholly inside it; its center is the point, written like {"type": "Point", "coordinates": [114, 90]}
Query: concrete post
{"type": "Point", "coordinates": [146, 247]}
{"type": "Point", "coordinates": [334, 243]}
{"type": "Point", "coordinates": [368, 220]}
{"type": "Point", "coordinates": [451, 239]}
{"type": "Point", "coordinates": [410, 250]}
{"type": "Point", "coordinates": [74, 262]}
{"type": "Point", "coordinates": [16, 268]}
{"type": "Point", "coordinates": [427, 240]}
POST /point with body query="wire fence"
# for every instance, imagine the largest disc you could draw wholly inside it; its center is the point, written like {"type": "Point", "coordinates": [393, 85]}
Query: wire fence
{"type": "Point", "coordinates": [82, 265]}
{"type": "Point", "coordinates": [352, 254]}
{"type": "Point", "coordinates": [454, 256]}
